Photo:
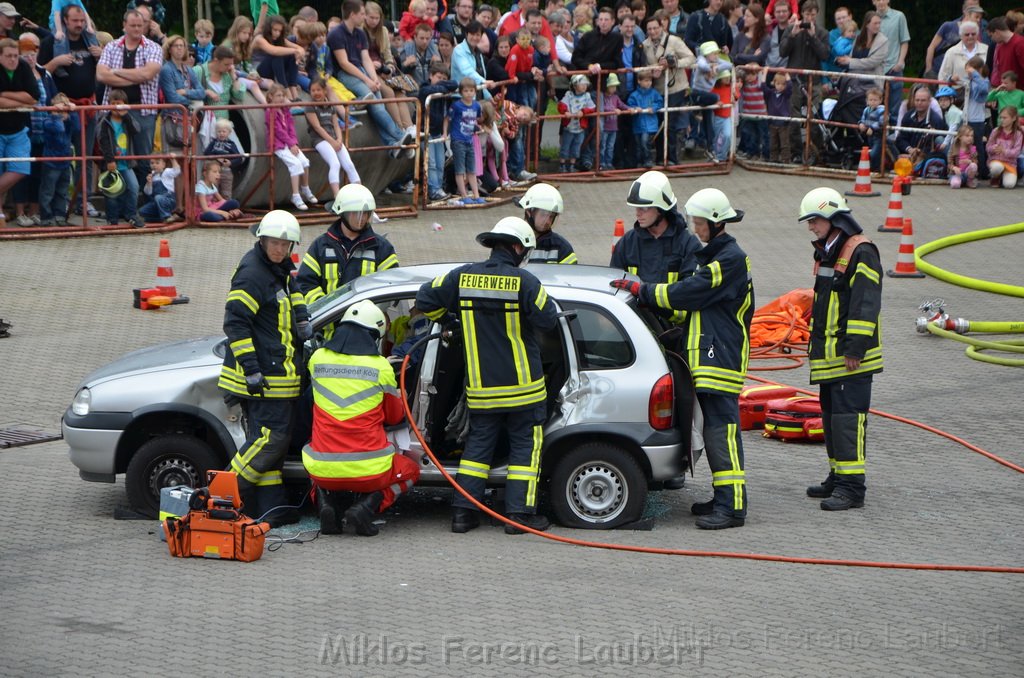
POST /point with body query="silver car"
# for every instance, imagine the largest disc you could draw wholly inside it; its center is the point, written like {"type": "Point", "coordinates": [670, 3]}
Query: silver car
{"type": "Point", "coordinates": [619, 404]}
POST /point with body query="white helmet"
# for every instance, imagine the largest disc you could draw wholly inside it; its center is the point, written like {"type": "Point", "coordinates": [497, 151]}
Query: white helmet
{"type": "Point", "coordinates": [823, 202]}
{"type": "Point", "coordinates": [542, 197]}
{"type": "Point", "coordinates": [509, 230]}
{"type": "Point", "coordinates": [713, 205]}
{"type": "Point", "coordinates": [651, 189]}
{"type": "Point", "coordinates": [366, 314]}
{"type": "Point", "coordinates": [353, 198]}
{"type": "Point", "coordinates": [279, 224]}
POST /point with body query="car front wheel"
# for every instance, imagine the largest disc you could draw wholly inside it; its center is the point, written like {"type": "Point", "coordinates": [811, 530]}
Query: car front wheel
{"type": "Point", "coordinates": [597, 486]}
{"type": "Point", "coordinates": [166, 461]}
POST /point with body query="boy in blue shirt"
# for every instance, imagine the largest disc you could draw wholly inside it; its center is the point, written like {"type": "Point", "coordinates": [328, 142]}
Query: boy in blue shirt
{"type": "Point", "coordinates": [645, 125]}
{"type": "Point", "coordinates": [462, 123]}
{"type": "Point", "coordinates": [439, 84]}
{"type": "Point", "coordinates": [871, 125]}
{"type": "Point", "coordinates": [55, 175]}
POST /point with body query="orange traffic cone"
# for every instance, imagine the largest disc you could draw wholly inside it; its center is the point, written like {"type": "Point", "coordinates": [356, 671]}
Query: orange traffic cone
{"type": "Point", "coordinates": [894, 215]}
{"type": "Point", "coordinates": [620, 230]}
{"type": "Point", "coordinates": [862, 186]}
{"type": "Point", "coordinates": [905, 265]}
{"type": "Point", "coordinates": [165, 275]}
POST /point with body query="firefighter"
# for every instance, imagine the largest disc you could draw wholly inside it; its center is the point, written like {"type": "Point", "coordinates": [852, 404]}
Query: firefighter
{"type": "Point", "coordinates": [499, 306]}
{"type": "Point", "coordinates": [719, 296]}
{"type": "Point", "coordinates": [265, 320]}
{"type": "Point", "coordinates": [845, 349]}
{"type": "Point", "coordinates": [659, 248]}
{"type": "Point", "coordinates": [350, 247]}
{"type": "Point", "coordinates": [354, 396]}
{"type": "Point", "coordinates": [541, 206]}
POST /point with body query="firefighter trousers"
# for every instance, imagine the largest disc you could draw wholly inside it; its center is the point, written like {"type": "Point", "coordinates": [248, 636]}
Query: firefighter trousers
{"type": "Point", "coordinates": [525, 437]}
{"type": "Point", "coordinates": [268, 433]}
{"type": "Point", "coordinates": [724, 448]}
{"type": "Point", "coordinates": [403, 475]}
{"type": "Point", "coordinates": [844, 413]}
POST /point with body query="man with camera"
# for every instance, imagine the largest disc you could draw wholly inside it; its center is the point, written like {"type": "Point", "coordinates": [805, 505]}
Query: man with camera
{"type": "Point", "coordinates": [672, 57]}
{"type": "Point", "coordinates": [805, 45]}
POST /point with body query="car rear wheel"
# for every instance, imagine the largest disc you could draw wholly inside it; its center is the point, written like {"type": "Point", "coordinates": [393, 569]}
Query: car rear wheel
{"type": "Point", "coordinates": [166, 461]}
{"type": "Point", "coordinates": [597, 486]}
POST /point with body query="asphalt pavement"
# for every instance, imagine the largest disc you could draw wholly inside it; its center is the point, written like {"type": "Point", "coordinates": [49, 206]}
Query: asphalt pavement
{"type": "Point", "coordinates": [84, 594]}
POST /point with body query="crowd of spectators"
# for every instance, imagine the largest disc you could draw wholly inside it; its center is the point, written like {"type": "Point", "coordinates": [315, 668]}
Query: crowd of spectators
{"type": "Point", "coordinates": [519, 65]}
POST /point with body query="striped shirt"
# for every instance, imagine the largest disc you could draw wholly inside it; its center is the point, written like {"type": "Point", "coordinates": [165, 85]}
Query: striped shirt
{"type": "Point", "coordinates": [146, 53]}
{"type": "Point", "coordinates": [752, 99]}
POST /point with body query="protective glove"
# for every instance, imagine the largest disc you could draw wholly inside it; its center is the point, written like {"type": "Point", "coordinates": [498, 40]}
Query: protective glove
{"type": "Point", "coordinates": [304, 329]}
{"type": "Point", "coordinates": [255, 383]}
{"type": "Point", "coordinates": [630, 286]}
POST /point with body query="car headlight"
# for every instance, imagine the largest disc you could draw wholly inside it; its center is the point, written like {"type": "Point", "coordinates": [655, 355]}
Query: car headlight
{"type": "Point", "coordinates": [83, 400]}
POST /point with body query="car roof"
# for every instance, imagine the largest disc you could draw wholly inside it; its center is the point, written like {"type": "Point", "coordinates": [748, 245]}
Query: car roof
{"type": "Point", "coordinates": [550, 275]}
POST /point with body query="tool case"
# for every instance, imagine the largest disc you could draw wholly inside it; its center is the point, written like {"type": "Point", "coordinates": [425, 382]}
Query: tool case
{"type": "Point", "coordinates": [754, 403]}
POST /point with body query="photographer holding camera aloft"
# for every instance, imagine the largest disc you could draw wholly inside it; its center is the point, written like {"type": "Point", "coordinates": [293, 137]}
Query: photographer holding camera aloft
{"type": "Point", "coordinates": [805, 45]}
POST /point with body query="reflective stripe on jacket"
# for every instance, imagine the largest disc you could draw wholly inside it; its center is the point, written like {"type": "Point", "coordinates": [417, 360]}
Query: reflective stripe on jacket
{"type": "Point", "coordinates": [553, 249]}
{"type": "Point", "coordinates": [499, 306]}
{"type": "Point", "coordinates": [354, 396]}
{"type": "Point", "coordinates": [846, 315]}
{"type": "Point", "coordinates": [259, 321]}
{"type": "Point", "coordinates": [720, 298]}
{"type": "Point", "coordinates": [333, 260]}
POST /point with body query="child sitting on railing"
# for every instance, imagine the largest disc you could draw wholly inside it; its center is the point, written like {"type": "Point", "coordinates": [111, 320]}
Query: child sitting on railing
{"type": "Point", "coordinates": [223, 144]}
{"type": "Point", "coordinates": [286, 147]}
{"type": "Point", "coordinates": [211, 205]}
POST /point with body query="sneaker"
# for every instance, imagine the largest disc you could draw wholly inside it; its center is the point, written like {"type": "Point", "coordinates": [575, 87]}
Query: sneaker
{"type": "Point", "coordinates": [136, 222]}
{"type": "Point", "coordinates": [60, 221]}
{"type": "Point", "coordinates": [526, 176]}
{"type": "Point", "coordinates": [411, 130]}
{"type": "Point", "coordinates": [439, 195]}
{"type": "Point", "coordinates": [475, 201]}
{"type": "Point", "coordinates": [47, 222]}
{"type": "Point", "coordinates": [407, 187]}
{"type": "Point", "coordinates": [394, 153]}
{"type": "Point", "coordinates": [24, 221]}
{"type": "Point", "coordinates": [506, 185]}
{"type": "Point", "coordinates": [742, 155]}
{"type": "Point", "coordinates": [35, 219]}
{"type": "Point", "coordinates": [690, 144]}
{"type": "Point", "coordinates": [368, 96]}
{"type": "Point", "coordinates": [297, 201]}
{"type": "Point", "coordinates": [171, 218]}
{"type": "Point", "coordinates": [90, 210]}
{"type": "Point", "coordinates": [307, 195]}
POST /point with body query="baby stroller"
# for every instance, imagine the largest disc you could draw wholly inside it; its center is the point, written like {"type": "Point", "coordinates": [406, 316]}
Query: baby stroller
{"type": "Point", "coordinates": [841, 145]}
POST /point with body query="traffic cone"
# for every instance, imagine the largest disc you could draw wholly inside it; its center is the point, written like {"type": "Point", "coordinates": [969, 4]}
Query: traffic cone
{"type": "Point", "coordinates": [620, 230]}
{"type": "Point", "coordinates": [165, 275]}
{"type": "Point", "coordinates": [862, 186]}
{"type": "Point", "coordinates": [894, 215]}
{"type": "Point", "coordinates": [905, 264]}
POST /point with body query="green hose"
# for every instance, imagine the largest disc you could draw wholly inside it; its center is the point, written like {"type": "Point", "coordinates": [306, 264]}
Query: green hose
{"type": "Point", "coordinates": [976, 346]}
{"type": "Point", "coordinates": [963, 280]}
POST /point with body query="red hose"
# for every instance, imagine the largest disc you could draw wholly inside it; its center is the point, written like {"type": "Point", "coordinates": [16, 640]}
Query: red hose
{"type": "Point", "coordinates": [718, 554]}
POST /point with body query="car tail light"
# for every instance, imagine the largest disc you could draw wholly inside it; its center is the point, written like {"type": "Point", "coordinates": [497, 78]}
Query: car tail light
{"type": "Point", "coordinates": [660, 409]}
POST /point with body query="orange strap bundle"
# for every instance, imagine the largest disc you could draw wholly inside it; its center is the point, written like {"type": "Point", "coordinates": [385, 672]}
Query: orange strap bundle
{"type": "Point", "coordinates": [783, 320]}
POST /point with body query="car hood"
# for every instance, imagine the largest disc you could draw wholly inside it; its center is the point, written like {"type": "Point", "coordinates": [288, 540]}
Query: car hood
{"type": "Point", "coordinates": [173, 356]}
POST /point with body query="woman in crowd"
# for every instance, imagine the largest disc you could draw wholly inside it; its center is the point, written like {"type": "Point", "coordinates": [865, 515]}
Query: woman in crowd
{"type": "Point", "coordinates": [751, 45]}
{"type": "Point", "coordinates": [275, 57]}
{"type": "Point", "coordinates": [179, 85]}
{"type": "Point", "coordinates": [240, 41]}
{"type": "Point", "coordinates": [384, 61]}
{"type": "Point", "coordinates": [25, 193]}
{"type": "Point", "coordinates": [868, 56]}
{"type": "Point", "coordinates": [954, 63]}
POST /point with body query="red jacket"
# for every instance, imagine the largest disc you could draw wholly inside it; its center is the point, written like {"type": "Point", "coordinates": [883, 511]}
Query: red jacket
{"type": "Point", "coordinates": [514, 22]}
{"type": "Point", "coordinates": [1009, 57]}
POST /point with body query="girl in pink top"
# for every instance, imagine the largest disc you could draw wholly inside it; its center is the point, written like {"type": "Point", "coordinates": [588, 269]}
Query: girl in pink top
{"type": "Point", "coordinates": [963, 159]}
{"type": "Point", "coordinates": [1004, 144]}
{"type": "Point", "coordinates": [286, 146]}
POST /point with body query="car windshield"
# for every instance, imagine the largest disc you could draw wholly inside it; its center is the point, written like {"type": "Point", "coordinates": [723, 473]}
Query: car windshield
{"type": "Point", "coordinates": [324, 302]}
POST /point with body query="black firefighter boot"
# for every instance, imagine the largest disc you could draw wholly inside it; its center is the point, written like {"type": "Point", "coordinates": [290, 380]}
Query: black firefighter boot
{"type": "Point", "coordinates": [848, 491]}
{"type": "Point", "coordinates": [464, 520]}
{"type": "Point", "coordinates": [328, 510]}
{"type": "Point", "coordinates": [534, 521]}
{"type": "Point", "coordinates": [716, 445]}
{"type": "Point", "coordinates": [824, 490]}
{"type": "Point", "coordinates": [361, 514]}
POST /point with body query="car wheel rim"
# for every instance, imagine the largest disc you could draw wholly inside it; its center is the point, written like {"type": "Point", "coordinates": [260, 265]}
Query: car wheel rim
{"type": "Point", "coordinates": [596, 492]}
{"type": "Point", "coordinates": [172, 472]}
